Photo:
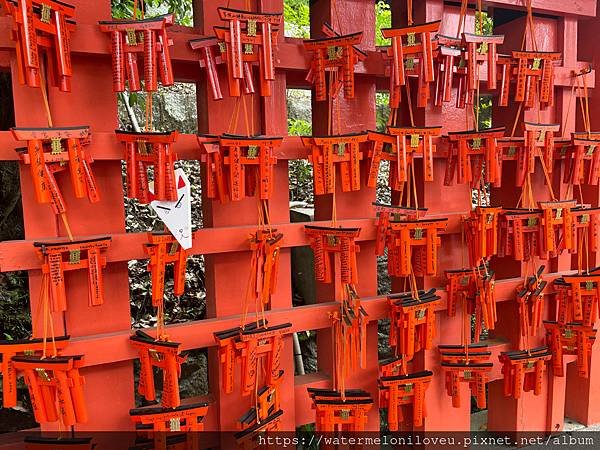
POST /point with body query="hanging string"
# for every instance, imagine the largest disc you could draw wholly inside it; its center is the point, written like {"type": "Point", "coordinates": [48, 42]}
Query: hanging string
{"type": "Point", "coordinates": [44, 90]}
{"type": "Point", "coordinates": [391, 120]}
{"type": "Point", "coordinates": [259, 305]}
{"type": "Point", "coordinates": [547, 176]}
{"type": "Point", "coordinates": [468, 112]}
{"type": "Point", "coordinates": [246, 121]}
{"type": "Point", "coordinates": [260, 213]}
{"type": "Point", "coordinates": [587, 254]}
{"type": "Point", "coordinates": [407, 184]}
{"type": "Point", "coordinates": [334, 344]}
{"type": "Point", "coordinates": [330, 105]}
{"type": "Point", "coordinates": [527, 325]}
{"type": "Point", "coordinates": [148, 127]}
{"type": "Point", "coordinates": [516, 122]}
{"type": "Point", "coordinates": [462, 17]}
{"type": "Point", "coordinates": [529, 27]}
{"type": "Point", "coordinates": [414, 184]}
{"type": "Point", "coordinates": [587, 105]}
{"type": "Point", "coordinates": [252, 114]}
{"type": "Point", "coordinates": [412, 281]}
{"type": "Point", "coordinates": [47, 321]}
{"type": "Point", "coordinates": [149, 97]}
{"type": "Point", "coordinates": [480, 8]}
{"type": "Point", "coordinates": [338, 110]}
{"type": "Point", "coordinates": [582, 107]}
{"type": "Point", "coordinates": [463, 339]}
{"type": "Point", "coordinates": [233, 120]}
{"type": "Point", "coordinates": [568, 114]}
{"type": "Point", "coordinates": [580, 234]}
{"type": "Point", "coordinates": [409, 98]}
{"type": "Point", "coordinates": [531, 205]}
{"type": "Point", "coordinates": [256, 405]}
{"type": "Point", "coordinates": [477, 102]}
{"type": "Point", "coordinates": [249, 289]}
{"type": "Point", "coordinates": [462, 240]}
{"type": "Point", "coordinates": [527, 201]}
{"type": "Point", "coordinates": [334, 108]}
{"type": "Point", "coordinates": [538, 97]}
{"type": "Point", "coordinates": [267, 216]}
{"type": "Point", "coordinates": [466, 328]}
{"type": "Point", "coordinates": [582, 248]}
{"type": "Point", "coordinates": [409, 12]}
{"type": "Point", "coordinates": [161, 333]}
{"type": "Point", "coordinates": [584, 104]}
{"type": "Point", "coordinates": [333, 204]}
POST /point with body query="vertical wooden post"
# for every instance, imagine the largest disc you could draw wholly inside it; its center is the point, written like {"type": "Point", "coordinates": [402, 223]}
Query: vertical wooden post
{"type": "Point", "coordinates": [346, 17]}
{"type": "Point", "coordinates": [95, 107]}
{"type": "Point", "coordinates": [274, 120]}
{"type": "Point", "coordinates": [225, 298]}
{"type": "Point", "coordinates": [440, 199]}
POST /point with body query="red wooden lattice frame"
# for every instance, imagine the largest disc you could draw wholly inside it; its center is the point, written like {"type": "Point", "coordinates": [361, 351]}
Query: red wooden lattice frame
{"type": "Point", "coordinates": [102, 333]}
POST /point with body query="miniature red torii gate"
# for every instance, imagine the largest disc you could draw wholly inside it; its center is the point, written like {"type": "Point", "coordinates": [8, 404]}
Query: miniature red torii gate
{"type": "Point", "coordinates": [92, 85]}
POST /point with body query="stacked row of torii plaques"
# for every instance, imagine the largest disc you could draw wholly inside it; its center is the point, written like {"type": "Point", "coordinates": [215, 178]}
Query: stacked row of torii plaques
{"type": "Point", "coordinates": [242, 166]}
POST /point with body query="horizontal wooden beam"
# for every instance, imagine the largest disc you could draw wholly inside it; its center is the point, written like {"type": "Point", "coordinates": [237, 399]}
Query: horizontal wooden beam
{"type": "Point", "coordinates": [105, 147]}
{"type": "Point", "coordinates": [199, 334]}
{"type": "Point", "coordinates": [20, 255]}
{"type": "Point", "coordinates": [289, 54]}
{"type": "Point", "coordinates": [561, 7]}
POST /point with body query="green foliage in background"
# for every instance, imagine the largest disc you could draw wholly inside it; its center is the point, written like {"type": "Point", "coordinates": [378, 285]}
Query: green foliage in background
{"type": "Point", "coordinates": [123, 9]}
{"type": "Point", "coordinates": [296, 15]}
{"type": "Point", "coordinates": [382, 110]}
{"type": "Point", "coordinates": [383, 19]}
{"type": "Point", "coordinates": [15, 320]}
{"type": "Point", "coordinates": [485, 111]}
{"type": "Point", "coordinates": [299, 127]}
{"type": "Point", "coordinates": [484, 24]}
{"type": "Point", "coordinates": [487, 22]}
{"type": "Point", "coordinates": [299, 124]}
{"type": "Point", "coordinates": [173, 107]}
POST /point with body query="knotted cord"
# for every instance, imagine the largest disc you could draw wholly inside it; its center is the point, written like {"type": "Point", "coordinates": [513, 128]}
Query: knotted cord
{"type": "Point", "coordinates": [44, 90]}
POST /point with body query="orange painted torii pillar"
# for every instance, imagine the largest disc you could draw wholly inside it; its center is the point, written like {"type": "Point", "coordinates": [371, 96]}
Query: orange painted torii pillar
{"type": "Point", "coordinates": [353, 16]}
{"type": "Point", "coordinates": [269, 119]}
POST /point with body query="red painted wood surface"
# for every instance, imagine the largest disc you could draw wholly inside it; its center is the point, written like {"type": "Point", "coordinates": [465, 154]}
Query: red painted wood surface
{"type": "Point", "coordinates": [102, 332]}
